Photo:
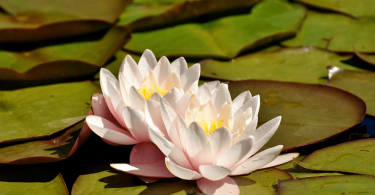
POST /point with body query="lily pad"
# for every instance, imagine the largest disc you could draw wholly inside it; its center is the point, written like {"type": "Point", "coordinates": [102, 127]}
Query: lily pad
{"type": "Point", "coordinates": [31, 179]}
{"type": "Point", "coordinates": [352, 8]}
{"type": "Point", "coordinates": [35, 112]}
{"type": "Point", "coordinates": [335, 32]}
{"type": "Point", "coordinates": [344, 184]}
{"type": "Point", "coordinates": [310, 113]}
{"type": "Point", "coordinates": [366, 57]}
{"type": "Point", "coordinates": [67, 60]}
{"type": "Point", "coordinates": [52, 150]}
{"type": "Point", "coordinates": [305, 65]}
{"type": "Point", "coordinates": [145, 14]}
{"type": "Point", "coordinates": [43, 20]}
{"type": "Point", "coordinates": [360, 83]}
{"type": "Point", "coordinates": [270, 20]}
{"type": "Point", "coordinates": [353, 157]}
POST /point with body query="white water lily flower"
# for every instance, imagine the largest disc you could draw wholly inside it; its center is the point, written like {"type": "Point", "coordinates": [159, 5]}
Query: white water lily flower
{"type": "Point", "coordinates": [126, 107]}
{"type": "Point", "coordinates": [215, 139]}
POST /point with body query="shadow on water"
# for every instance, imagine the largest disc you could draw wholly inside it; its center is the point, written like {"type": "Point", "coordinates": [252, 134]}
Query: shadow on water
{"type": "Point", "coordinates": [63, 150]}
{"type": "Point", "coordinates": [27, 173]}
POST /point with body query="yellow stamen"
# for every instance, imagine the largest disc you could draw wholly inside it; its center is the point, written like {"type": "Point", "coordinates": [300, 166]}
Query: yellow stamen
{"type": "Point", "coordinates": [214, 125]}
{"type": "Point", "coordinates": [147, 93]}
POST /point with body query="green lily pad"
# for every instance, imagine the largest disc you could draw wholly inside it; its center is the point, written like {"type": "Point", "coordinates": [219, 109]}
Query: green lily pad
{"type": "Point", "coordinates": [310, 112]}
{"type": "Point", "coordinates": [305, 65]}
{"type": "Point", "coordinates": [45, 151]}
{"type": "Point", "coordinates": [352, 8]}
{"type": "Point", "coordinates": [270, 20]}
{"type": "Point", "coordinates": [31, 179]}
{"type": "Point", "coordinates": [335, 32]}
{"type": "Point", "coordinates": [67, 60]}
{"type": "Point", "coordinates": [102, 179]}
{"type": "Point", "coordinates": [145, 14]}
{"type": "Point", "coordinates": [366, 57]}
{"type": "Point", "coordinates": [353, 157]}
{"type": "Point", "coordinates": [360, 83]}
{"type": "Point", "coordinates": [344, 184]}
{"type": "Point", "coordinates": [41, 111]}
{"type": "Point", "coordinates": [43, 20]}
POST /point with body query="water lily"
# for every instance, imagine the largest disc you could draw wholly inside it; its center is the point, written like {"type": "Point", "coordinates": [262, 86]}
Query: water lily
{"type": "Point", "coordinates": [215, 138]}
{"type": "Point", "coordinates": [131, 103]}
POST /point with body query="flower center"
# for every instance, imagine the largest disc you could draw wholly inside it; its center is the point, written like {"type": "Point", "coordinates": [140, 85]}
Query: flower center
{"type": "Point", "coordinates": [147, 93]}
{"type": "Point", "coordinates": [209, 129]}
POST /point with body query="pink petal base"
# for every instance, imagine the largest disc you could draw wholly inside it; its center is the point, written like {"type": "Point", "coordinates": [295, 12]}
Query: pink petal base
{"type": "Point", "coordinates": [221, 187]}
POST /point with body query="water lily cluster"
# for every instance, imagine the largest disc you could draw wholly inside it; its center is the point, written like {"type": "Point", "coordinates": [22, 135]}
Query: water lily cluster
{"type": "Point", "coordinates": [179, 129]}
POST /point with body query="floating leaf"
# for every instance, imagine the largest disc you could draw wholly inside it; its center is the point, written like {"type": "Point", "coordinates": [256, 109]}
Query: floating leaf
{"type": "Point", "coordinates": [335, 32]}
{"type": "Point", "coordinates": [143, 14]}
{"type": "Point", "coordinates": [52, 150]}
{"type": "Point", "coordinates": [305, 65]}
{"type": "Point", "coordinates": [270, 20]}
{"type": "Point", "coordinates": [353, 157]}
{"type": "Point", "coordinates": [353, 8]}
{"type": "Point", "coordinates": [310, 113]}
{"type": "Point", "coordinates": [360, 83]}
{"type": "Point", "coordinates": [41, 111]}
{"type": "Point", "coordinates": [366, 57]}
{"type": "Point", "coordinates": [344, 184]}
{"type": "Point", "coordinates": [68, 60]}
{"type": "Point", "coordinates": [31, 179]}
{"type": "Point", "coordinates": [42, 19]}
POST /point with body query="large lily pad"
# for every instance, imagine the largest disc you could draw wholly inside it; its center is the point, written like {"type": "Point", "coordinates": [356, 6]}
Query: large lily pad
{"type": "Point", "coordinates": [353, 157]}
{"type": "Point", "coordinates": [52, 150]}
{"type": "Point", "coordinates": [310, 113]}
{"type": "Point", "coordinates": [335, 32]}
{"type": "Point", "coordinates": [67, 60]}
{"type": "Point", "coordinates": [305, 65]}
{"type": "Point", "coordinates": [353, 8]}
{"type": "Point", "coordinates": [366, 57]}
{"type": "Point", "coordinates": [344, 184]}
{"type": "Point", "coordinates": [42, 19]}
{"type": "Point", "coordinates": [32, 179]}
{"type": "Point", "coordinates": [225, 38]}
{"type": "Point", "coordinates": [360, 83]}
{"type": "Point", "coordinates": [143, 14]}
{"type": "Point", "coordinates": [41, 111]}
{"type": "Point", "coordinates": [102, 179]}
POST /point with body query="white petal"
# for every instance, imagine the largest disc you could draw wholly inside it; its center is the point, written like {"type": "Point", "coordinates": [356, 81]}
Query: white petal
{"type": "Point", "coordinates": [131, 71]}
{"type": "Point", "coordinates": [173, 96]}
{"type": "Point", "coordinates": [197, 146]}
{"type": "Point", "coordinates": [253, 102]}
{"type": "Point", "coordinates": [136, 100]}
{"type": "Point", "coordinates": [104, 75]}
{"type": "Point", "coordinates": [281, 159]}
{"type": "Point", "coordinates": [150, 81]}
{"type": "Point", "coordinates": [225, 115]}
{"type": "Point", "coordinates": [206, 112]}
{"type": "Point", "coordinates": [169, 149]}
{"type": "Point", "coordinates": [193, 88]}
{"type": "Point", "coordinates": [220, 140]}
{"type": "Point", "coordinates": [158, 170]}
{"type": "Point", "coordinates": [204, 94]}
{"type": "Point", "coordinates": [181, 172]}
{"type": "Point", "coordinates": [192, 107]}
{"type": "Point", "coordinates": [245, 118]}
{"type": "Point", "coordinates": [222, 96]}
{"type": "Point", "coordinates": [100, 108]}
{"type": "Point", "coordinates": [214, 172]}
{"type": "Point", "coordinates": [169, 117]}
{"type": "Point", "coordinates": [172, 81]}
{"type": "Point", "coordinates": [257, 161]}
{"type": "Point", "coordinates": [240, 100]}
{"type": "Point", "coordinates": [249, 129]}
{"type": "Point", "coordinates": [156, 97]}
{"type": "Point", "coordinates": [182, 129]}
{"type": "Point", "coordinates": [117, 102]}
{"type": "Point", "coordinates": [182, 103]}
{"type": "Point", "coordinates": [221, 187]}
{"type": "Point", "coordinates": [179, 66]}
{"type": "Point", "coordinates": [147, 62]}
{"type": "Point", "coordinates": [235, 135]}
{"type": "Point", "coordinates": [124, 88]}
{"type": "Point", "coordinates": [162, 69]}
{"type": "Point", "coordinates": [212, 85]}
{"type": "Point", "coordinates": [135, 120]}
{"type": "Point", "coordinates": [190, 76]}
{"type": "Point", "coordinates": [235, 153]}
{"type": "Point", "coordinates": [153, 116]}
{"type": "Point", "coordinates": [109, 131]}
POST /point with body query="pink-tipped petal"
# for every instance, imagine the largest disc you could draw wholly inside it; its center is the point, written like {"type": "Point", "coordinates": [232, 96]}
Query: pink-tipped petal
{"type": "Point", "coordinates": [153, 116]}
{"type": "Point", "coordinates": [169, 149]}
{"type": "Point", "coordinates": [235, 153]}
{"type": "Point", "coordinates": [158, 170]}
{"type": "Point", "coordinates": [135, 120]}
{"type": "Point", "coordinates": [100, 108]}
{"type": "Point", "coordinates": [162, 69]}
{"type": "Point", "coordinates": [190, 76]}
{"type": "Point", "coordinates": [136, 100]}
{"type": "Point", "coordinates": [281, 159]}
{"type": "Point", "coordinates": [109, 131]}
{"type": "Point", "coordinates": [147, 62]}
{"type": "Point", "coordinates": [179, 66]}
{"type": "Point", "coordinates": [181, 172]}
{"type": "Point", "coordinates": [222, 96]}
{"type": "Point", "coordinates": [221, 187]}
{"type": "Point", "coordinates": [131, 71]}
{"type": "Point", "coordinates": [214, 172]}
{"type": "Point", "coordinates": [220, 140]}
{"type": "Point", "coordinates": [257, 161]}
{"type": "Point", "coordinates": [197, 146]}
{"type": "Point", "coordinates": [144, 153]}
